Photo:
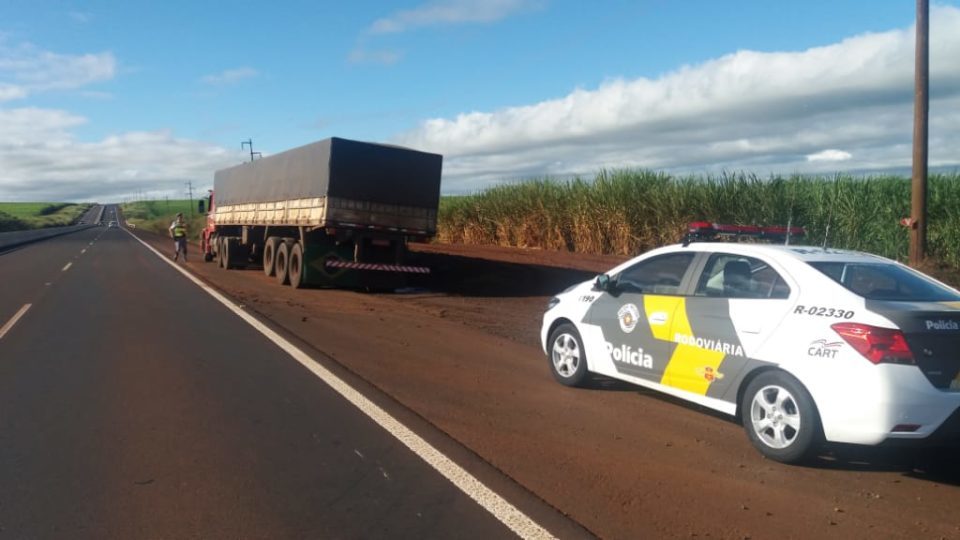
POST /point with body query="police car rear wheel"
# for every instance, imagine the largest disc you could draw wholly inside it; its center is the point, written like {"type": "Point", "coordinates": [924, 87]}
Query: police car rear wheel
{"type": "Point", "coordinates": [780, 418]}
{"type": "Point", "coordinates": [568, 361]}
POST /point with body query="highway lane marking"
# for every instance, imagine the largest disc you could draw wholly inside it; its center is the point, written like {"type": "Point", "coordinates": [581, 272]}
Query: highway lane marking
{"type": "Point", "coordinates": [500, 508]}
{"type": "Point", "coordinates": [67, 267]}
{"type": "Point", "coordinates": [82, 251]}
{"type": "Point", "coordinates": [6, 328]}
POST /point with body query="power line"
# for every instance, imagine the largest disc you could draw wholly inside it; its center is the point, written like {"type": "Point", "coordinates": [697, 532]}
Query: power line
{"type": "Point", "coordinates": [249, 142]}
{"type": "Point", "coordinates": [190, 191]}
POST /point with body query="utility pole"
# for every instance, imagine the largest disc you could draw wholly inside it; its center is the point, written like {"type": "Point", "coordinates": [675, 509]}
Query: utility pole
{"type": "Point", "coordinates": [921, 107]}
{"type": "Point", "coordinates": [249, 142]}
{"type": "Point", "coordinates": [190, 191]}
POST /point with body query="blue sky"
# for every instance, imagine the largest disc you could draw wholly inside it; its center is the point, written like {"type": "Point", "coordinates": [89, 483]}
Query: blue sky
{"type": "Point", "coordinates": [102, 100]}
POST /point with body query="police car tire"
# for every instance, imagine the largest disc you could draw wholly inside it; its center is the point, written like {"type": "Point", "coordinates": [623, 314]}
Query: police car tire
{"type": "Point", "coordinates": [567, 356]}
{"type": "Point", "coordinates": [759, 400]}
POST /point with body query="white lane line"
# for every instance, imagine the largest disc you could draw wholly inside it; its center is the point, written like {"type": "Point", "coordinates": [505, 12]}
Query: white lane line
{"type": "Point", "coordinates": [82, 251]}
{"type": "Point", "coordinates": [500, 508]}
{"type": "Point", "coordinates": [6, 328]}
{"type": "Point", "coordinates": [67, 267]}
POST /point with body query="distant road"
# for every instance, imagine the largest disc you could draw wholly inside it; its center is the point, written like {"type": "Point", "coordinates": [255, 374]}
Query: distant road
{"type": "Point", "coordinates": [134, 405]}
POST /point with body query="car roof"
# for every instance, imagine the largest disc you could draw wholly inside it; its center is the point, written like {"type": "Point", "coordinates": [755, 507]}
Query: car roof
{"type": "Point", "coordinates": [803, 253]}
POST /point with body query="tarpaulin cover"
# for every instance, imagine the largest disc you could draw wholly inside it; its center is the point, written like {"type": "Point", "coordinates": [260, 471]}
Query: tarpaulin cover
{"type": "Point", "coordinates": [336, 168]}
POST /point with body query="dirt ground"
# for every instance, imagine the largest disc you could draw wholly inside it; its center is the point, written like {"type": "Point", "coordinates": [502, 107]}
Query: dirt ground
{"type": "Point", "coordinates": [624, 462]}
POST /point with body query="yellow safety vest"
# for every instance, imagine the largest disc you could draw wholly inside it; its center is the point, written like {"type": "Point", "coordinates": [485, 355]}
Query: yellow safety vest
{"type": "Point", "coordinates": [179, 230]}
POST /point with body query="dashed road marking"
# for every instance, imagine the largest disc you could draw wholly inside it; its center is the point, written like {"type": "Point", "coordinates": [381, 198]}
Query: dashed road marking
{"type": "Point", "coordinates": [501, 509]}
{"type": "Point", "coordinates": [67, 267]}
{"type": "Point", "coordinates": [6, 328]}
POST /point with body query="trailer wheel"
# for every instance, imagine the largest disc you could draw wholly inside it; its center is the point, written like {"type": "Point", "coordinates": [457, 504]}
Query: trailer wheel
{"type": "Point", "coordinates": [282, 267]}
{"type": "Point", "coordinates": [270, 256]}
{"type": "Point", "coordinates": [295, 265]}
{"type": "Point", "coordinates": [219, 248]}
{"type": "Point", "coordinates": [230, 249]}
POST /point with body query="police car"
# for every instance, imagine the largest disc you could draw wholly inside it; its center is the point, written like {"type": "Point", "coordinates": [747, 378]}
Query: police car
{"type": "Point", "coordinates": [802, 344]}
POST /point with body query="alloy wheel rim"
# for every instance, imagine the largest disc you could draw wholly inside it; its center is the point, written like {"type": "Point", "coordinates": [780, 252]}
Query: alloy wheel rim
{"type": "Point", "coordinates": [775, 417]}
{"type": "Point", "coordinates": [565, 355]}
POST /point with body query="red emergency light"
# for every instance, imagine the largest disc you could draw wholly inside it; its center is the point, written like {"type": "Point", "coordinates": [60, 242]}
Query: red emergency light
{"type": "Point", "coordinates": [705, 231]}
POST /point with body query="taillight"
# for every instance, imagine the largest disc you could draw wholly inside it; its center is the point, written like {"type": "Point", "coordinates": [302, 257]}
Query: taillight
{"type": "Point", "coordinates": [878, 345]}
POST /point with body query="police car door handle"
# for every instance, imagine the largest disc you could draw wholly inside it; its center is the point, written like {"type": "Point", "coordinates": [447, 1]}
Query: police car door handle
{"type": "Point", "coordinates": [750, 329]}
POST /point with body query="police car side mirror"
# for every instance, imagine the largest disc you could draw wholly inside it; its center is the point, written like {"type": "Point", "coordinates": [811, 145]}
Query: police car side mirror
{"type": "Point", "coordinates": [602, 283]}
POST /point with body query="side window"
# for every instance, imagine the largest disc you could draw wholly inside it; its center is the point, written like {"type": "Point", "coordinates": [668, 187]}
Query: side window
{"type": "Point", "coordinates": [659, 275]}
{"type": "Point", "coordinates": [735, 276]}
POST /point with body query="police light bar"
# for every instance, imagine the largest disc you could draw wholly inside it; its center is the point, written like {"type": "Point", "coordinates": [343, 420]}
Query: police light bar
{"type": "Point", "coordinates": [707, 231]}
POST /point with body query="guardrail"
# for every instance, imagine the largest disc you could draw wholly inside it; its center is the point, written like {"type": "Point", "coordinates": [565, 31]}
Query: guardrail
{"type": "Point", "coordinates": [14, 239]}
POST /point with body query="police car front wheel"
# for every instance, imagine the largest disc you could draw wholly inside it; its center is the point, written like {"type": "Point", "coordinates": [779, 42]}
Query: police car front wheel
{"type": "Point", "coordinates": [780, 418]}
{"type": "Point", "coordinates": [568, 360]}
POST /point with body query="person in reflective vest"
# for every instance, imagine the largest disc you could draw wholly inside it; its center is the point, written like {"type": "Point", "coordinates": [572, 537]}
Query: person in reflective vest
{"type": "Point", "coordinates": [178, 231]}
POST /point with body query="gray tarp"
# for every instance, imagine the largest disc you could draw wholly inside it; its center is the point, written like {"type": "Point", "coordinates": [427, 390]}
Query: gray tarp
{"type": "Point", "coordinates": [336, 168]}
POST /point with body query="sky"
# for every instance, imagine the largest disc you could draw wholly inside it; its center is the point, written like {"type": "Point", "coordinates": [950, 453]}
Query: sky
{"type": "Point", "coordinates": [109, 101]}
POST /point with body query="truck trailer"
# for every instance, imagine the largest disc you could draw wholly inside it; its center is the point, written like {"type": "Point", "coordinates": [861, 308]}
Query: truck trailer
{"type": "Point", "coordinates": [335, 212]}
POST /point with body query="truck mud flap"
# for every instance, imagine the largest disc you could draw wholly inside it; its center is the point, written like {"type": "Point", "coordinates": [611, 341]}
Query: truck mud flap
{"type": "Point", "coordinates": [328, 266]}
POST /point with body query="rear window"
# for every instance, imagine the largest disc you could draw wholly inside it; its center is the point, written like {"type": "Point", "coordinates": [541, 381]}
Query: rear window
{"type": "Point", "coordinates": [881, 281]}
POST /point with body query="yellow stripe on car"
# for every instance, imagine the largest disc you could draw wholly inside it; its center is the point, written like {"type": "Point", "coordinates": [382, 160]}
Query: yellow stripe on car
{"type": "Point", "coordinates": [691, 368]}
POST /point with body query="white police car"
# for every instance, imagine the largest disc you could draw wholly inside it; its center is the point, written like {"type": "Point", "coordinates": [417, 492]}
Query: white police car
{"type": "Point", "coordinates": [804, 344]}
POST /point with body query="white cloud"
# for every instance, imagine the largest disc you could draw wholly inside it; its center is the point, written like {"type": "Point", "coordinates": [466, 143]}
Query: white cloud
{"type": "Point", "coordinates": [764, 111]}
{"type": "Point", "coordinates": [10, 92]}
{"type": "Point", "coordinates": [384, 57]}
{"type": "Point", "coordinates": [80, 17]}
{"type": "Point", "coordinates": [29, 69]}
{"type": "Point", "coordinates": [230, 76]}
{"type": "Point", "coordinates": [41, 160]}
{"type": "Point", "coordinates": [447, 12]}
{"type": "Point", "coordinates": [830, 155]}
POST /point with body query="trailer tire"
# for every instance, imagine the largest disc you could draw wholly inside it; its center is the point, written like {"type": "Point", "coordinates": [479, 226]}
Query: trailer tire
{"type": "Point", "coordinates": [295, 265]}
{"type": "Point", "coordinates": [231, 246]}
{"type": "Point", "coordinates": [270, 256]}
{"type": "Point", "coordinates": [282, 267]}
{"type": "Point", "coordinates": [219, 248]}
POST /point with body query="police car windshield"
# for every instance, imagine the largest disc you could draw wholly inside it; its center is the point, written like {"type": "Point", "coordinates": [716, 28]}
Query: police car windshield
{"type": "Point", "coordinates": [880, 281]}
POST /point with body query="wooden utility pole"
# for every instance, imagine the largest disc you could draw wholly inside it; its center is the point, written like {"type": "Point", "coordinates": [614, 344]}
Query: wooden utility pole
{"type": "Point", "coordinates": [921, 106]}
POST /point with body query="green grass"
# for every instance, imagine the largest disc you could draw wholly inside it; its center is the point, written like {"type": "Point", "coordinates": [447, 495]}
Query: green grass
{"type": "Point", "coordinates": [627, 212]}
{"type": "Point", "coordinates": [156, 216]}
{"type": "Point", "coordinates": [22, 216]}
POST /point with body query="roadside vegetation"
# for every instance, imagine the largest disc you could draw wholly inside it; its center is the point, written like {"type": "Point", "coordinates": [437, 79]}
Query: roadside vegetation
{"type": "Point", "coordinates": [627, 212]}
{"type": "Point", "coordinates": [23, 216]}
{"type": "Point", "coordinates": [156, 216]}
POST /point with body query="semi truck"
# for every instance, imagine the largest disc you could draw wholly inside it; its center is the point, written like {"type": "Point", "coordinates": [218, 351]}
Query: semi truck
{"type": "Point", "coordinates": [336, 212]}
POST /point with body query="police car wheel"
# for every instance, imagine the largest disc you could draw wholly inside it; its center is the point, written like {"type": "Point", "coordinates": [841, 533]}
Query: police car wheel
{"type": "Point", "coordinates": [780, 418]}
{"type": "Point", "coordinates": [568, 359]}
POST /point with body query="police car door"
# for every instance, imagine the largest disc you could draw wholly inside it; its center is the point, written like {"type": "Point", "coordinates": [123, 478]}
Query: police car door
{"type": "Point", "coordinates": [738, 301]}
{"type": "Point", "coordinates": [630, 322]}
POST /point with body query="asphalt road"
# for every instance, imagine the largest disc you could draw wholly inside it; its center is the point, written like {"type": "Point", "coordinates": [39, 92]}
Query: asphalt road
{"type": "Point", "coordinates": [134, 405]}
